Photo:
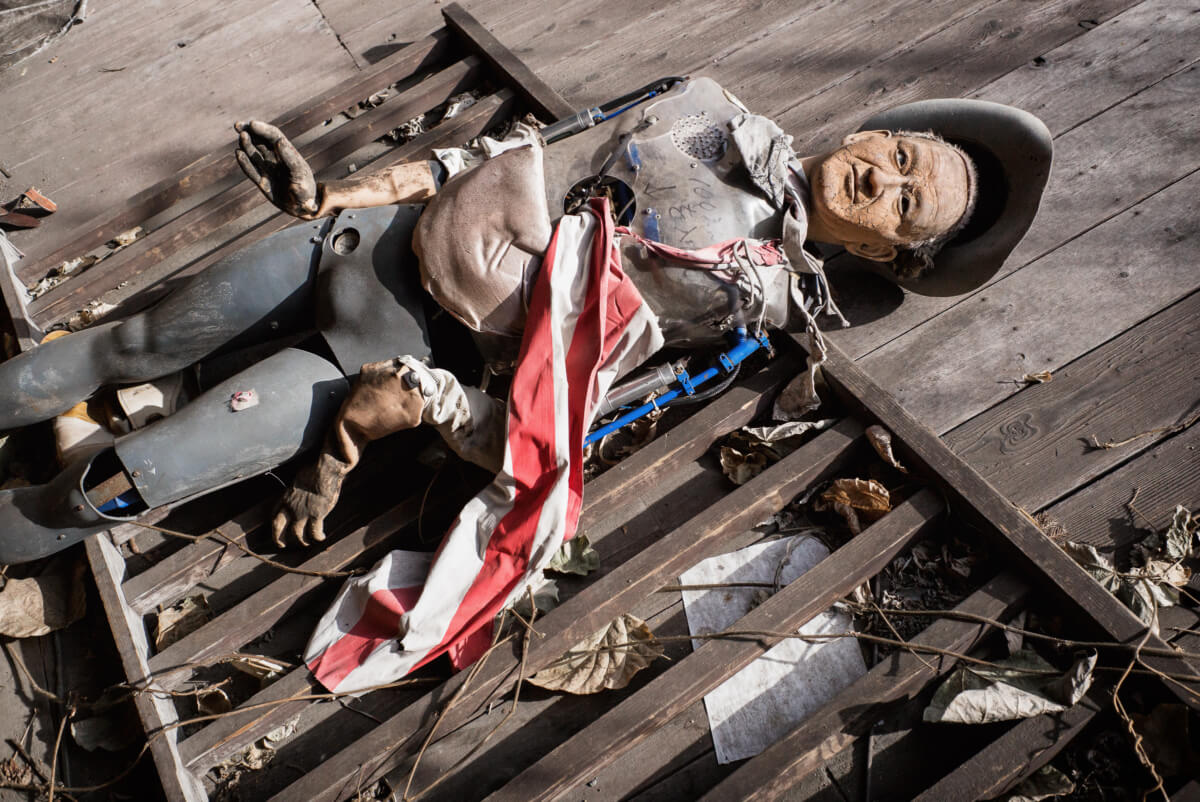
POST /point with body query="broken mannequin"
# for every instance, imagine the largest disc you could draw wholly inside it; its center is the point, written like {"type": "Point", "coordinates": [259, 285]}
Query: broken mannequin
{"type": "Point", "coordinates": [705, 193]}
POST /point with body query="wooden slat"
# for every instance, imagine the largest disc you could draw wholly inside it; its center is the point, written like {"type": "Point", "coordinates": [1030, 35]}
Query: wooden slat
{"type": "Point", "coordinates": [258, 613]}
{"type": "Point", "coordinates": [1002, 523]}
{"type": "Point", "coordinates": [575, 760]}
{"type": "Point", "coordinates": [167, 580]}
{"type": "Point", "coordinates": [154, 710]}
{"type": "Point", "coordinates": [545, 101]}
{"type": "Point", "coordinates": [1035, 448]}
{"type": "Point", "coordinates": [242, 196]}
{"type": "Point", "coordinates": [664, 456]}
{"type": "Point", "coordinates": [855, 709]}
{"type": "Point", "coordinates": [609, 596]}
{"type": "Point", "coordinates": [1018, 753]}
{"type": "Point", "coordinates": [215, 166]}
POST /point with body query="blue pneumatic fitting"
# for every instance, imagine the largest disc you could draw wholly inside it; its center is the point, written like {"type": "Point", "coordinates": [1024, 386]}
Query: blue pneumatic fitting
{"type": "Point", "coordinates": [688, 384]}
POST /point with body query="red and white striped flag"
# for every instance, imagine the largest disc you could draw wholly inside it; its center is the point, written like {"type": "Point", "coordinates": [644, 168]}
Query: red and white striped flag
{"type": "Point", "coordinates": [587, 324]}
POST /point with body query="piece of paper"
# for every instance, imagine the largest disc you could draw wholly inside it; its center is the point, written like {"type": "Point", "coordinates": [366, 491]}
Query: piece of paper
{"type": "Point", "coordinates": [768, 698]}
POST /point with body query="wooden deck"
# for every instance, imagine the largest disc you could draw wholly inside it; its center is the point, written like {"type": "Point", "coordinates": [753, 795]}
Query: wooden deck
{"type": "Point", "coordinates": [1102, 292]}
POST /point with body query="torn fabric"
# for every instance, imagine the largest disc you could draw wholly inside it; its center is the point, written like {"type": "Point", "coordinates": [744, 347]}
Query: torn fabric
{"type": "Point", "coordinates": [586, 323]}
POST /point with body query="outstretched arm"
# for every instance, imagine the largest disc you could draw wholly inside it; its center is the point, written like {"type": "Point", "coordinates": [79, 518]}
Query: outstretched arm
{"type": "Point", "coordinates": [275, 166]}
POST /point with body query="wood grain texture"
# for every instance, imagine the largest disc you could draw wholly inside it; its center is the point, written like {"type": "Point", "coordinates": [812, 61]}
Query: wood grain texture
{"type": "Point", "coordinates": [155, 711]}
{"type": "Point", "coordinates": [216, 171]}
{"type": "Point", "coordinates": [1036, 447]}
{"type": "Point", "coordinates": [241, 196]}
{"type": "Point", "coordinates": [143, 88]}
{"type": "Point", "coordinates": [608, 596]}
{"type": "Point", "coordinates": [575, 760]}
{"type": "Point", "coordinates": [1164, 476]}
{"type": "Point", "coordinates": [1018, 753]}
{"type": "Point", "coordinates": [1085, 292]}
{"type": "Point", "coordinates": [1010, 531]}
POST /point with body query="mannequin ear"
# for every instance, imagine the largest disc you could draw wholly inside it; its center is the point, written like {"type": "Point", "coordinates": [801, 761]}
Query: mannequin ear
{"type": "Point", "coordinates": [875, 252]}
{"type": "Point", "coordinates": [857, 136]}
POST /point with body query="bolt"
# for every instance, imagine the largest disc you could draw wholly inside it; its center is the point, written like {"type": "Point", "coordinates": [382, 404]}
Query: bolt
{"type": "Point", "coordinates": [62, 537]}
{"type": "Point", "coordinates": [136, 474]}
{"type": "Point", "coordinates": [79, 508]}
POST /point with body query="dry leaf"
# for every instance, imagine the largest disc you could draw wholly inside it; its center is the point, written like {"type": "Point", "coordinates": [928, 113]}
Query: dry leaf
{"type": "Point", "coordinates": [608, 659]}
{"type": "Point", "coordinates": [860, 494]}
{"type": "Point", "coordinates": [41, 604]}
{"type": "Point", "coordinates": [1041, 377]}
{"type": "Point", "coordinates": [739, 467]}
{"type": "Point", "coordinates": [575, 557]}
{"type": "Point", "coordinates": [545, 598]}
{"type": "Point", "coordinates": [881, 440]}
{"type": "Point", "coordinates": [263, 668]}
{"type": "Point", "coordinates": [213, 702]}
{"type": "Point", "coordinates": [180, 619]}
{"type": "Point", "coordinates": [1009, 690]}
{"type": "Point", "coordinates": [125, 238]}
{"type": "Point", "coordinates": [1045, 783]}
{"type": "Point", "coordinates": [112, 732]}
{"type": "Point", "coordinates": [773, 434]}
{"type": "Point", "coordinates": [1178, 540]}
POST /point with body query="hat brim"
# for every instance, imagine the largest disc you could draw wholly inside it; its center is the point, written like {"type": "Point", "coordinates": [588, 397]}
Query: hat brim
{"type": "Point", "coordinates": [1012, 150]}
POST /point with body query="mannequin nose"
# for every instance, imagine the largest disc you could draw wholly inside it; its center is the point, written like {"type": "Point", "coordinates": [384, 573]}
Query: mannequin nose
{"type": "Point", "coordinates": [879, 181]}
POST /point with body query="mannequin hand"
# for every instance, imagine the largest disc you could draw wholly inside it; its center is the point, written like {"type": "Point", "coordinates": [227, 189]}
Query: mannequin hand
{"type": "Point", "coordinates": [312, 495]}
{"type": "Point", "coordinates": [275, 166]}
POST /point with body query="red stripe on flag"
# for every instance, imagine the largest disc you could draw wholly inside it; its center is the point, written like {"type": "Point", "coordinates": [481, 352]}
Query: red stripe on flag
{"type": "Point", "coordinates": [376, 626]}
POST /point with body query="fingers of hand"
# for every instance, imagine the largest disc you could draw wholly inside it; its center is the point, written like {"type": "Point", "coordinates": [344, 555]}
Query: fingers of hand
{"type": "Point", "coordinates": [298, 527]}
{"type": "Point", "coordinates": [278, 525]}
{"type": "Point", "coordinates": [252, 172]}
{"type": "Point", "coordinates": [292, 159]}
{"type": "Point", "coordinates": [266, 131]}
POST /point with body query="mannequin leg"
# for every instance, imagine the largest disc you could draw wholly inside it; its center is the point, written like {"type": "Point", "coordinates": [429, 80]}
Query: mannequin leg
{"type": "Point", "coordinates": [200, 448]}
{"type": "Point", "coordinates": [262, 291]}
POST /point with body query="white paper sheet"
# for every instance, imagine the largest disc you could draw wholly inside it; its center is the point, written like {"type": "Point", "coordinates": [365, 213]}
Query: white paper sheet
{"type": "Point", "coordinates": [764, 701]}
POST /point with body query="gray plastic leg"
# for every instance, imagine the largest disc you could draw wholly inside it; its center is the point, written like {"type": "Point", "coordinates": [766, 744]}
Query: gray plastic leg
{"type": "Point", "coordinates": [207, 445]}
{"type": "Point", "coordinates": [260, 292]}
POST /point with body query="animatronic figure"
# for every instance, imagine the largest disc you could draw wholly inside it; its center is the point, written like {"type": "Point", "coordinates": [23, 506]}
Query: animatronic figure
{"type": "Point", "coordinates": [717, 209]}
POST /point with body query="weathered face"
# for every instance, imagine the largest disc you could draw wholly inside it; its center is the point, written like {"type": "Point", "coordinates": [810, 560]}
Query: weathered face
{"type": "Point", "coordinates": [880, 190]}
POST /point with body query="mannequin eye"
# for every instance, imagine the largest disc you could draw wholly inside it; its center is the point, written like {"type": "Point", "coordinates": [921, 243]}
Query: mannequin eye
{"type": "Point", "coordinates": [901, 158]}
{"type": "Point", "coordinates": [905, 205]}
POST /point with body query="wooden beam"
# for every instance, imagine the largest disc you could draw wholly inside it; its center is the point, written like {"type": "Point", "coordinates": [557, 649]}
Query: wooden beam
{"type": "Point", "coordinates": [612, 593]}
{"type": "Point", "coordinates": [1004, 525]}
{"type": "Point", "coordinates": [155, 710]}
{"type": "Point", "coordinates": [852, 712]}
{"type": "Point", "coordinates": [513, 72]}
{"type": "Point", "coordinates": [601, 743]}
{"type": "Point", "coordinates": [1018, 753]}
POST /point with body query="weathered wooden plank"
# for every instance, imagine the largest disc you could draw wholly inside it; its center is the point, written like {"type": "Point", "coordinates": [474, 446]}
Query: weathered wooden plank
{"type": "Point", "coordinates": [1036, 447]}
{"type": "Point", "coordinates": [575, 760]}
{"type": "Point", "coordinates": [242, 196]}
{"type": "Point", "coordinates": [544, 101]}
{"type": "Point", "coordinates": [168, 579]}
{"type": "Point", "coordinates": [154, 710]}
{"type": "Point", "coordinates": [610, 594]}
{"type": "Point", "coordinates": [1005, 526]}
{"type": "Point", "coordinates": [373, 29]}
{"type": "Point", "coordinates": [1089, 290]}
{"type": "Point", "coordinates": [1162, 477]}
{"type": "Point", "coordinates": [141, 88]}
{"type": "Point", "coordinates": [1019, 752]}
{"type": "Point", "coordinates": [262, 610]}
{"type": "Point", "coordinates": [855, 709]}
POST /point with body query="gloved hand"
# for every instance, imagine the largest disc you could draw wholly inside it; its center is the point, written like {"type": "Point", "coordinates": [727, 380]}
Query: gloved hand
{"type": "Point", "coordinates": [388, 397]}
{"type": "Point", "coordinates": [275, 166]}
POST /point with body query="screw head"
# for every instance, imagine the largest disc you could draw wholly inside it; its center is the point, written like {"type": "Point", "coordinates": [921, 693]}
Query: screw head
{"type": "Point", "coordinates": [136, 474]}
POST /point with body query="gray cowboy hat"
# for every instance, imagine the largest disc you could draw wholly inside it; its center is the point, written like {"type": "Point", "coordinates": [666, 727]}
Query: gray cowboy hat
{"type": "Point", "coordinates": [1012, 151]}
